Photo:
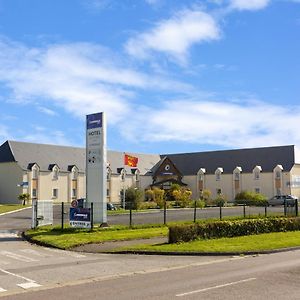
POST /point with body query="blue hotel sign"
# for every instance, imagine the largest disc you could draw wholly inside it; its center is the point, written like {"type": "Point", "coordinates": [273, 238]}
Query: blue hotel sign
{"type": "Point", "coordinates": [80, 217]}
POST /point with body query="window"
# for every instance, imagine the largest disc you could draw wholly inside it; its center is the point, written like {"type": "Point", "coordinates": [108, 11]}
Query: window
{"type": "Point", "coordinates": [74, 193]}
{"type": "Point", "coordinates": [123, 175]}
{"type": "Point", "coordinates": [256, 175]}
{"type": "Point", "coordinates": [218, 176]}
{"type": "Point", "coordinates": [278, 174]}
{"type": "Point", "coordinates": [34, 173]}
{"type": "Point", "coordinates": [236, 176]}
{"type": "Point", "coordinates": [219, 191]}
{"type": "Point", "coordinates": [108, 173]}
{"type": "Point", "coordinates": [257, 190]}
{"type": "Point", "coordinates": [278, 192]}
{"type": "Point", "coordinates": [55, 173]}
{"type": "Point", "coordinates": [137, 176]}
{"type": "Point", "coordinates": [54, 193]}
{"type": "Point", "coordinates": [107, 192]}
{"type": "Point", "coordinates": [74, 173]}
{"type": "Point", "coordinates": [34, 193]}
{"type": "Point", "coordinates": [201, 177]}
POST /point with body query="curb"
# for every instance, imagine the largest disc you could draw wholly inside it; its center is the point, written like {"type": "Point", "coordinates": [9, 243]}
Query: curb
{"type": "Point", "coordinates": [203, 253]}
{"type": "Point", "coordinates": [14, 211]}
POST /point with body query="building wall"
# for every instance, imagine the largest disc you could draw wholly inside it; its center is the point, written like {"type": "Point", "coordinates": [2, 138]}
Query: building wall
{"type": "Point", "coordinates": [295, 181]}
{"type": "Point", "coordinates": [10, 176]}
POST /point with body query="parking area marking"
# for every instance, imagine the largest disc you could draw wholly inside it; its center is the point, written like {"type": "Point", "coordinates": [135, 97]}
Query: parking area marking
{"type": "Point", "coordinates": [215, 287]}
{"type": "Point", "coordinates": [17, 256]}
{"type": "Point", "coordinates": [28, 285]}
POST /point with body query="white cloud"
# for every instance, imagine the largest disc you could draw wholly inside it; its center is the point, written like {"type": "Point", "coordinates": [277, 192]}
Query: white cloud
{"type": "Point", "coordinates": [233, 125]}
{"type": "Point", "coordinates": [47, 111]}
{"type": "Point", "coordinates": [44, 136]}
{"type": "Point", "coordinates": [175, 36]}
{"type": "Point", "coordinates": [249, 4]}
{"type": "Point", "coordinates": [81, 78]}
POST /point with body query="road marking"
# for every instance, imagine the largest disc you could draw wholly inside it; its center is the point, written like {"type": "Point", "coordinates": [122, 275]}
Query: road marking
{"type": "Point", "coordinates": [28, 285]}
{"type": "Point", "coordinates": [215, 287]}
{"type": "Point", "coordinates": [70, 253]}
{"type": "Point", "coordinates": [2, 290]}
{"type": "Point", "coordinates": [34, 252]}
{"type": "Point", "coordinates": [17, 256]}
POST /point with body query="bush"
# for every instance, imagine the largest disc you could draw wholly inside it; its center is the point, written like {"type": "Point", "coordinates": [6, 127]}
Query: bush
{"type": "Point", "coordinates": [159, 197]}
{"type": "Point", "coordinates": [219, 229]}
{"type": "Point", "coordinates": [220, 200]}
{"type": "Point", "coordinates": [24, 198]}
{"type": "Point", "coordinates": [250, 198]}
{"type": "Point", "coordinates": [133, 197]}
{"type": "Point", "coordinates": [148, 205]}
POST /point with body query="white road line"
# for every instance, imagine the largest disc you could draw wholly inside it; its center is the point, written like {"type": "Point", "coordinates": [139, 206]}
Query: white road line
{"type": "Point", "coordinates": [70, 253]}
{"type": "Point", "coordinates": [28, 285]}
{"type": "Point", "coordinates": [34, 252]}
{"type": "Point", "coordinates": [17, 256]}
{"type": "Point", "coordinates": [16, 275]}
{"type": "Point", "coordinates": [215, 287]}
{"type": "Point", "coordinates": [2, 290]}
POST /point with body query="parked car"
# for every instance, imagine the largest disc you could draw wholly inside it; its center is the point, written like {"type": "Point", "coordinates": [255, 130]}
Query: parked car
{"type": "Point", "coordinates": [280, 199]}
{"type": "Point", "coordinates": [110, 206]}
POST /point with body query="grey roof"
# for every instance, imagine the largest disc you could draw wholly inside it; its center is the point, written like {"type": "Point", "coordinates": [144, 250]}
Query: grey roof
{"type": "Point", "coordinates": [268, 158]}
{"type": "Point", "coordinates": [46, 156]}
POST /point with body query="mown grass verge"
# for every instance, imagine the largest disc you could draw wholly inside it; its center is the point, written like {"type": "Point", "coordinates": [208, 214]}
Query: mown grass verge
{"type": "Point", "coordinates": [11, 207]}
{"type": "Point", "coordinates": [71, 237]}
{"type": "Point", "coordinates": [243, 244]}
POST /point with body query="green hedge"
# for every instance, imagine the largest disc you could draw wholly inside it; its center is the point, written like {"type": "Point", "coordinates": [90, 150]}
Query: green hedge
{"type": "Point", "coordinates": [219, 229]}
{"type": "Point", "coordinates": [251, 198]}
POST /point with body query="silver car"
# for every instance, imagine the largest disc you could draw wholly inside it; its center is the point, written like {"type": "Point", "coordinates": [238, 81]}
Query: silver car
{"type": "Point", "coordinates": [279, 200]}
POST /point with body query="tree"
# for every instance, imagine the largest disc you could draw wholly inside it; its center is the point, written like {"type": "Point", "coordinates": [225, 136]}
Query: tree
{"type": "Point", "coordinates": [133, 197]}
{"type": "Point", "coordinates": [24, 197]}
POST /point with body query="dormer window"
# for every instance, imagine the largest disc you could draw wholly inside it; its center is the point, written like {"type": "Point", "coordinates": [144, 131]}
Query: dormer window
{"type": "Point", "coordinates": [218, 173]}
{"type": "Point", "coordinates": [108, 173]}
{"type": "Point", "coordinates": [256, 171]}
{"type": "Point", "coordinates": [55, 172]}
{"type": "Point", "coordinates": [35, 172]}
{"type": "Point", "coordinates": [237, 173]}
{"type": "Point", "coordinates": [123, 175]}
{"type": "Point", "coordinates": [137, 175]}
{"type": "Point", "coordinates": [74, 173]}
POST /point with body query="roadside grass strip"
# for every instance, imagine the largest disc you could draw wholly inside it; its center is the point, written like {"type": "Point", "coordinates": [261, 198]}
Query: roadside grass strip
{"type": "Point", "coordinates": [71, 237]}
{"type": "Point", "coordinates": [4, 208]}
{"type": "Point", "coordinates": [261, 242]}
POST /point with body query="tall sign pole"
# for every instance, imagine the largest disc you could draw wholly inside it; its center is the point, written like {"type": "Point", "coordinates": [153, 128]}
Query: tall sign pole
{"type": "Point", "coordinates": [96, 166]}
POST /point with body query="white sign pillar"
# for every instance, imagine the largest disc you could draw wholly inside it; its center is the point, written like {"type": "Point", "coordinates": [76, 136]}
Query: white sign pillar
{"type": "Point", "coordinates": [96, 166]}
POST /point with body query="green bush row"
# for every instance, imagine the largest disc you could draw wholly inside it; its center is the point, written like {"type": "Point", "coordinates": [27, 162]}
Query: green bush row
{"type": "Point", "coordinates": [219, 229]}
{"type": "Point", "coordinates": [251, 198]}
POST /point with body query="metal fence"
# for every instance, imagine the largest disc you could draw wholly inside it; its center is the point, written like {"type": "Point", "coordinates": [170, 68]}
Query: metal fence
{"type": "Point", "coordinates": [61, 214]}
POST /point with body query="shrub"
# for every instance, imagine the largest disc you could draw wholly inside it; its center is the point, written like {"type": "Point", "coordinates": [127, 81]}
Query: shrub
{"type": "Point", "coordinates": [182, 196]}
{"type": "Point", "coordinates": [133, 197]}
{"type": "Point", "coordinates": [220, 200]}
{"type": "Point", "coordinates": [148, 205]}
{"type": "Point", "coordinates": [219, 229]}
{"type": "Point", "coordinates": [250, 198]}
{"type": "Point", "coordinates": [159, 197]}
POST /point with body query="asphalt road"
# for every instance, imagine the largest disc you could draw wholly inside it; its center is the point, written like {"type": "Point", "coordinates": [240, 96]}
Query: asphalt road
{"type": "Point", "coordinates": [32, 272]}
{"type": "Point", "coordinates": [22, 220]}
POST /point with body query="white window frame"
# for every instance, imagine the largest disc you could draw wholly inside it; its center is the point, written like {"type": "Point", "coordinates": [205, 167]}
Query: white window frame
{"type": "Point", "coordinates": [55, 172]}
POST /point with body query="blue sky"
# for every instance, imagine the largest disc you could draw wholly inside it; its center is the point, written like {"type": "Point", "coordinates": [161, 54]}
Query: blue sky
{"type": "Point", "coordinates": [172, 76]}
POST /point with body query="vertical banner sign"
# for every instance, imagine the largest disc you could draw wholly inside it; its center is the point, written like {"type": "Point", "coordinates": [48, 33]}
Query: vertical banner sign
{"type": "Point", "coordinates": [96, 166]}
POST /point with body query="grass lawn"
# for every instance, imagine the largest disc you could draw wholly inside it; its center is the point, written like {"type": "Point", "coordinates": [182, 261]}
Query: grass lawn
{"type": "Point", "coordinates": [73, 237]}
{"type": "Point", "coordinates": [11, 207]}
{"type": "Point", "coordinates": [260, 242]}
